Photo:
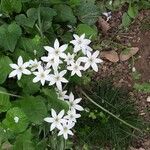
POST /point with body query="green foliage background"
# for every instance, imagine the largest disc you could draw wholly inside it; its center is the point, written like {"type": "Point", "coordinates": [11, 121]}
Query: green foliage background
{"type": "Point", "coordinates": [28, 25]}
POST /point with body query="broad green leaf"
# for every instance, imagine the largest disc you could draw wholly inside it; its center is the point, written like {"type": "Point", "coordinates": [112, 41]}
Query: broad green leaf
{"type": "Point", "coordinates": [4, 68]}
{"type": "Point", "coordinates": [133, 11]}
{"type": "Point", "coordinates": [28, 86]}
{"type": "Point", "coordinates": [65, 14]}
{"type": "Point", "coordinates": [25, 55]}
{"type": "Point", "coordinates": [29, 19]}
{"type": "Point", "coordinates": [34, 108]}
{"type": "Point", "coordinates": [30, 45]}
{"type": "Point", "coordinates": [74, 3]}
{"type": "Point", "coordinates": [24, 141]}
{"type": "Point", "coordinates": [3, 134]}
{"type": "Point", "coordinates": [89, 31]}
{"type": "Point", "coordinates": [9, 35]}
{"type": "Point", "coordinates": [4, 100]}
{"type": "Point", "coordinates": [53, 100]}
{"type": "Point", "coordinates": [46, 14]}
{"type": "Point", "coordinates": [10, 6]}
{"type": "Point", "coordinates": [88, 12]}
{"type": "Point", "coordinates": [126, 20]}
{"type": "Point", "coordinates": [16, 126]}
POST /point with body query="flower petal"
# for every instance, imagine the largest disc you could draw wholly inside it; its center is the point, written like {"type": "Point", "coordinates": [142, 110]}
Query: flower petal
{"type": "Point", "coordinates": [56, 44]}
{"type": "Point", "coordinates": [53, 113]}
{"type": "Point", "coordinates": [49, 119]}
{"type": "Point", "coordinates": [20, 61]}
{"type": "Point", "coordinates": [13, 73]}
{"type": "Point", "coordinates": [14, 66]}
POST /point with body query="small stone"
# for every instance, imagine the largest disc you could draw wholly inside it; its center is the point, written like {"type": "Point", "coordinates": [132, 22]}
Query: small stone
{"type": "Point", "coordinates": [148, 99]}
{"type": "Point", "coordinates": [133, 69]}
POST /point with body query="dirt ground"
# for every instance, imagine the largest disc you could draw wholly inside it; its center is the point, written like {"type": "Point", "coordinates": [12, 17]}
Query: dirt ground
{"type": "Point", "coordinates": [121, 72]}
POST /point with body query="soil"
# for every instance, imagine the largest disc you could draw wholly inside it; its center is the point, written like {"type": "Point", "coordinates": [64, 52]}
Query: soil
{"type": "Point", "coordinates": [121, 72]}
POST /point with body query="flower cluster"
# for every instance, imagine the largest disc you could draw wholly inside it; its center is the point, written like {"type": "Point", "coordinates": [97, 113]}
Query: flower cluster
{"type": "Point", "coordinates": [59, 63]}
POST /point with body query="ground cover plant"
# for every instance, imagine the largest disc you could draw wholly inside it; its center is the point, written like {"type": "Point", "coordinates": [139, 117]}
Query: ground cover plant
{"type": "Point", "coordinates": [49, 95]}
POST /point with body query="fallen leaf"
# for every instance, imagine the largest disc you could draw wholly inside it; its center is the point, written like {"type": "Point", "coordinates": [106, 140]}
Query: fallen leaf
{"type": "Point", "coordinates": [110, 55]}
{"type": "Point", "coordinates": [127, 54]}
{"type": "Point", "coordinates": [104, 25]}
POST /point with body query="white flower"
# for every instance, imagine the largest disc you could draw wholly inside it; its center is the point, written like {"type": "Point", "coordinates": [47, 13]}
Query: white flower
{"type": "Point", "coordinates": [33, 64]}
{"type": "Point", "coordinates": [62, 95]}
{"type": "Point", "coordinates": [19, 69]}
{"type": "Point", "coordinates": [73, 103]}
{"type": "Point", "coordinates": [16, 119]}
{"type": "Point", "coordinates": [57, 78]}
{"type": "Point", "coordinates": [69, 58]}
{"type": "Point", "coordinates": [72, 115]}
{"type": "Point", "coordinates": [75, 68]}
{"type": "Point", "coordinates": [51, 61]}
{"type": "Point", "coordinates": [80, 43]}
{"type": "Point", "coordinates": [57, 51]}
{"type": "Point", "coordinates": [41, 75]}
{"type": "Point", "coordinates": [56, 120]}
{"type": "Point", "coordinates": [65, 130]}
{"type": "Point", "coordinates": [91, 60]}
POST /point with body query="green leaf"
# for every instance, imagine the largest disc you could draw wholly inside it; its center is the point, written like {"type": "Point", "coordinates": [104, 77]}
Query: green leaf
{"type": "Point", "coordinates": [9, 35]}
{"type": "Point", "coordinates": [30, 45]}
{"type": "Point", "coordinates": [65, 14]}
{"type": "Point", "coordinates": [4, 100]}
{"type": "Point", "coordinates": [45, 17]}
{"type": "Point", "coordinates": [53, 100]}
{"type": "Point", "coordinates": [4, 68]}
{"type": "Point", "coordinates": [10, 6]}
{"type": "Point", "coordinates": [88, 12]}
{"type": "Point", "coordinates": [34, 108]}
{"type": "Point", "coordinates": [10, 123]}
{"type": "Point", "coordinates": [28, 86]}
{"type": "Point", "coordinates": [126, 20]}
{"type": "Point", "coordinates": [29, 20]}
{"type": "Point", "coordinates": [74, 3]}
{"type": "Point", "coordinates": [23, 141]}
{"type": "Point", "coordinates": [144, 87]}
{"type": "Point", "coordinates": [89, 31]}
{"type": "Point", "coordinates": [133, 11]}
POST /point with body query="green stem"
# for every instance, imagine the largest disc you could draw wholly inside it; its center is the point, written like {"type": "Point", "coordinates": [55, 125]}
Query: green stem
{"type": "Point", "coordinates": [108, 112]}
{"type": "Point", "coordinates": [39, 26]}
{"type": "Point", "coordinates": [13, 95]}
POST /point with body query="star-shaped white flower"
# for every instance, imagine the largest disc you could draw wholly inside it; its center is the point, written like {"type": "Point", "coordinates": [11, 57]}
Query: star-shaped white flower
{"type": "Point", "coordinates": [51, 62]}
{"type": "Point", "coordinates": [41, 75]}
{"type": "Point", "coordinates": [73, 103]}
{"type": "Point", "coordinates": [19, 69]}
{"type": "Point", "coordinates": [57, 78]}
{"type": "Point", "coordinates": [57, 51]}
{"type": "Point", "coordinates": [80, 43]}
{"type": "Point", "coordinates": [72, 115]}
{"type": "Point", "coordinates": [69, 59]}
{"type": "Point", "coordinates": [76, 68]}
{"type": "Point", "coordinates": [65, 130]}
{"type": "Point", "coordinates": [56, 120]}
{"type": "Point", "coordinates": [33, 64]}
{"type": "Point", "coordinates": [91, 60]}
{"type": "Point", "coordinates": [62, 95]}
